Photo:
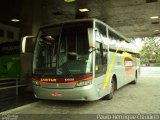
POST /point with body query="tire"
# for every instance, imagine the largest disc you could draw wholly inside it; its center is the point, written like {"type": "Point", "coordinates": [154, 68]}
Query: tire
{"type": "Point", "coordinates": [135, 81]}
{"type": "Point", "coordinates": [113, 88]}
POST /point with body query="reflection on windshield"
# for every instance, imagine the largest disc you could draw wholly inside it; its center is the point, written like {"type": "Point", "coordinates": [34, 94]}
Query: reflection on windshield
{"type": "Point", "coordinates": [63, 51]}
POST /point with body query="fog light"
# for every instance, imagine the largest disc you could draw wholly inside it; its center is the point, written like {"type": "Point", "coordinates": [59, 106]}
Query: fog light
{"type": "Point", "coordinates": [36, 83]}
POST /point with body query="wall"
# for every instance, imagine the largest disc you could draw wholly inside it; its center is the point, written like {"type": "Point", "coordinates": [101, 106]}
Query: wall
{"type": "Point", "coordinates": [5, 37]}
{"type": "Point", "coordinates": [32, 20]}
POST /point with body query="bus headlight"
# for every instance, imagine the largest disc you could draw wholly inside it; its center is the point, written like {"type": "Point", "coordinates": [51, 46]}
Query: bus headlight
{"type": "Point", "coordinates": [35, 82]}
{"type": "Point", "coordinates": [83, 83]}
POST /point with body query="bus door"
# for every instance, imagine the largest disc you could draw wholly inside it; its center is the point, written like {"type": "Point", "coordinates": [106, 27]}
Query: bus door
{"type": "Point", "coordinates": [100, 54]}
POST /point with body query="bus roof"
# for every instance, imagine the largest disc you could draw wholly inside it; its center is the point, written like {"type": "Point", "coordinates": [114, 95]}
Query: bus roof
{"type": "Point", "coordinates": [68, 21]}
{"type": "Point", "coordinates": [84, 20]}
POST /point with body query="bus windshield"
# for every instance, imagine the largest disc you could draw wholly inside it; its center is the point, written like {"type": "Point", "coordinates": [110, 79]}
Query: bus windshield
{"type": "Point", "coordinates": [63, 50]}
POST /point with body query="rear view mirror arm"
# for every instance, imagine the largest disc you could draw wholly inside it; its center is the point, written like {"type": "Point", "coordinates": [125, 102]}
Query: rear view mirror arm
{"type": "Point", "coordinates": [24, 42]}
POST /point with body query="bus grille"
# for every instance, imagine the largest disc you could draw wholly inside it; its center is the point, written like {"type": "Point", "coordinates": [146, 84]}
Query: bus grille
{"type": "Point", "coordinates": [57, 86]}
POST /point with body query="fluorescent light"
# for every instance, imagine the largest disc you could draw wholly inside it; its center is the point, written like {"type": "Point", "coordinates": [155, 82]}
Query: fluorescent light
{"type": "Point", "coordinates": [154, 17]}
{"type": "Point", "coordinates": [156, 30]}
{"type": "Point", "coordinates": [69, 1]}
{"type": "Point", "coordinates": [15, 20]}
{"type": "Point", "coordinates": [83, 10]}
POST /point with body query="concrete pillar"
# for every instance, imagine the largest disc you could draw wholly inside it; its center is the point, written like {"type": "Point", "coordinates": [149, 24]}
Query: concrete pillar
{"type": "Point", "coordinates": [31, 21]}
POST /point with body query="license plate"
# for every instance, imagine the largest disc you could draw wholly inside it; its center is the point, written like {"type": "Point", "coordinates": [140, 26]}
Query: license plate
{"type": "Point", "coordinates": [56, 94]}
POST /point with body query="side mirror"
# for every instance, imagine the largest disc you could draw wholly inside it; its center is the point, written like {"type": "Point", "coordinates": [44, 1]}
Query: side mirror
{"type": "Point", "coordinates": [24, 43]}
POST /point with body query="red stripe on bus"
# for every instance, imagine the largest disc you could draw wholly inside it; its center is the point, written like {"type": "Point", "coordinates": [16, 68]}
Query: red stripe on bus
{"type": "Point", "coordinates": [73, 82]}
{"type": "Point", "coordinates": [129, 71]}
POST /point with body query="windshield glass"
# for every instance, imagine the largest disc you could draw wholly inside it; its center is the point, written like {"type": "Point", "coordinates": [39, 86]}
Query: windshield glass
{"type": "Point", "coordinates": [63, 50]}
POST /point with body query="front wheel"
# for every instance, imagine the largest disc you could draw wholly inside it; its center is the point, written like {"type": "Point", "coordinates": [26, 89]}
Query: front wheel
{"type": "Point", "coordinates": [113, 88]}
{"type": "Point", "coordinates": [135, 81]}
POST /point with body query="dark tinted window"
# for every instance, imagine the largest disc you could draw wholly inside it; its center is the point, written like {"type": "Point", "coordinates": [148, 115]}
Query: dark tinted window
{"type": "Point", "coordinates": [114, 38]}
{"type": "Point", "coordinates": [101, 28]}
{"type": "Point", "coordinates": [101, 60]}
{"type": "Point", "coordinates": [10, 48]}
{"type": "Point", "coordinates": [10, 34]}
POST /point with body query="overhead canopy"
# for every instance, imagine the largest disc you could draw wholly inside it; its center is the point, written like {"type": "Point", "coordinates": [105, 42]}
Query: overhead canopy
{"type": "Point", "coordinates": [132, 18]}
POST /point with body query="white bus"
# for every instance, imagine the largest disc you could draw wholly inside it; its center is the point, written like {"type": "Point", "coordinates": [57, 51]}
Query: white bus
{"type": "Point", "coordinates": [82, 60]}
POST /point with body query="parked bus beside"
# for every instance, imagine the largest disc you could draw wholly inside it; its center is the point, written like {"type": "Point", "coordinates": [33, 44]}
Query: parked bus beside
{"type": "Point", "coordinates": [10, 60]}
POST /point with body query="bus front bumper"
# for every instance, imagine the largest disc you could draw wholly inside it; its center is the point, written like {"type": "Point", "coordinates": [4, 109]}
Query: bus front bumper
{"type": "Point", "coordinates": [86, 93]}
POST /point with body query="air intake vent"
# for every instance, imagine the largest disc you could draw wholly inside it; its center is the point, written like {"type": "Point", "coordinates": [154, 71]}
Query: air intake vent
{"type": "Point", "coordinates": [150, 1]}
{"type": "Point", "coordinates": [155, 22]}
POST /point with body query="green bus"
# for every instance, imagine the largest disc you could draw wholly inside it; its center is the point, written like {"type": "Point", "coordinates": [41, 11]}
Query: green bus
{"type": "Point", "coordinates": [9, 60]}
{"type": "Point", "coordinates": [82, 60]}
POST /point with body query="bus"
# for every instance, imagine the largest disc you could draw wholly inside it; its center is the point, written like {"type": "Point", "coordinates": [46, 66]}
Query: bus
{"type": "Point", "coordinates": [9, 60]}
{"type": "Point", "coordinates": [82, 60]}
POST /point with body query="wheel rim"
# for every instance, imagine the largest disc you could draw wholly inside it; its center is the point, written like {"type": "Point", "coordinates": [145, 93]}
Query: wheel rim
{"type": "Point", "coordinates": [136, 78]}
{"type": "Point", "coordinates": [112, 87]}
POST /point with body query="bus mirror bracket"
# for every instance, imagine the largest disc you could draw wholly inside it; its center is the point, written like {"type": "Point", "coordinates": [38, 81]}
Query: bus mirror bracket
{"type": "Point", "coordinates": [90, 36]}
{"type": "Point", "coordinates": [24, 42]}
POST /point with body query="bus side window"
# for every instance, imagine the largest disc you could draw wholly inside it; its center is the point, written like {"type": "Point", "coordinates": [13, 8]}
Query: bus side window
{"type": "Point", "coordinates": [101, 53]}
{"type": "Point", "coordinates": [104, 54]}
{"type": "Point", "coordinates": [100, 60]}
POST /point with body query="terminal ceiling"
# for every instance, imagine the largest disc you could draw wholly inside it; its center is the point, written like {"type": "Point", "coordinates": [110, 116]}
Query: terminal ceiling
{"type": "Point", "coordinates": [132, 18]}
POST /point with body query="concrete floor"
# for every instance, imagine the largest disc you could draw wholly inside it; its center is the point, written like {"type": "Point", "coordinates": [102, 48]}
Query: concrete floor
{"type": "Point", "coordinates": [143, 98]}
{"type": "Point", "coordinates": [13, 101]}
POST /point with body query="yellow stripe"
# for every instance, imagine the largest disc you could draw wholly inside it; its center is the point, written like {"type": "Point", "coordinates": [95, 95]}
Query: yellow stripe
{"type": "Point", "coordinates": [9, 65]}
{"type": "Point", "coordinates": [110, 69]}
{"type": "Point", "coordinates": [126, 55]}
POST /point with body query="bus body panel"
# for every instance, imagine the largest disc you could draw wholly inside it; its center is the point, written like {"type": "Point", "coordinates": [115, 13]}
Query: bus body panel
{"type": "Point", "coordinates": [9, 66]}
{"type": "Point", "coordinates": [99, 83]}
{"type": "Point", "coordinates": [120, 71]}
